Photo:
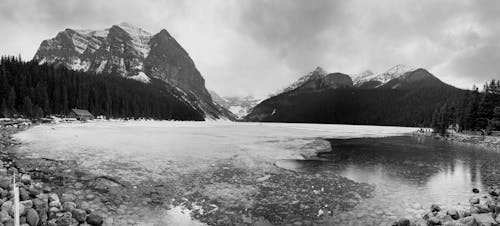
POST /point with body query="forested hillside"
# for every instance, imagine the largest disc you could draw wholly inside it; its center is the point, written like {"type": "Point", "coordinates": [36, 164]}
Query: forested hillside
{"type": "Point", "coordinates": [33, 90]}
{"type": "Point", "coordinates": [474, 110]}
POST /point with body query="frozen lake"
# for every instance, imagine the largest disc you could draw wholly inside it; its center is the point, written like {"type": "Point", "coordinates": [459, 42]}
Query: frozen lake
{"type": "Point", "coordinates": [139, 151]}
{"type": "Point", "coordinates": [184, 145]}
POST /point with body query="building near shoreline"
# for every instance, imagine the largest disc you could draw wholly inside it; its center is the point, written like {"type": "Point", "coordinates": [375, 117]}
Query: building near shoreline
{"type": "Point", "coordinates": [81, 114]}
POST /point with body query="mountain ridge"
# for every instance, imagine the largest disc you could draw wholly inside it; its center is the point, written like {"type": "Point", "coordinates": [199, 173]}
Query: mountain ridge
{"type": "Point", "coordinates": [408, 99]}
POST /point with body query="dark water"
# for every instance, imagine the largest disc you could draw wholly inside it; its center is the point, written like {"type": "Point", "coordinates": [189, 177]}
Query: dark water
{"type": "Point", "coordinates": [410, 173]}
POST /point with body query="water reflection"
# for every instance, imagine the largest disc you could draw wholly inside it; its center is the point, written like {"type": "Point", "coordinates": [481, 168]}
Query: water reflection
{"type": "Point", "coordinates": [410, 173]}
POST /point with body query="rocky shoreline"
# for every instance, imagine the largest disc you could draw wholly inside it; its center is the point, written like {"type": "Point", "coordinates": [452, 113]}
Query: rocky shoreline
{"type": "Point", "coordinates": [41, 204]}
{"type": "Point", "coordinates": [491, 143]}
{"type": "Point", "coordinates": [483, 209]}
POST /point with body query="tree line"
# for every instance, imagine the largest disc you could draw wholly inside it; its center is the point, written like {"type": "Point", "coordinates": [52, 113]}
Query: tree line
{"type": "Point", "coordinates": [474, 111]}
{"type": "Point", "coordinates": [32, 90]}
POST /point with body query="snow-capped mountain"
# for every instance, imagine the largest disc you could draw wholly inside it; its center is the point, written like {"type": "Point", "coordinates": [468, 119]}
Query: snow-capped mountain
{"type": "Point", "coordinates": [317, 73]}
{"type": "Point", "coordinates": [319, 79]}
{"type": "Point", "coordinates": [134, 53]}
{"type": "Point", "coordinates": [240, 106]}
{"type": "Point", "coordinates": [375, 80]}
{"type": "Point", "coordinates": [401, 96]}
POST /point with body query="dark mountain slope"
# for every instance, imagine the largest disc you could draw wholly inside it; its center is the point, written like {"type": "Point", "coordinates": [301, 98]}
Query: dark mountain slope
{"type": "Point", "coordinates": [405, 101]}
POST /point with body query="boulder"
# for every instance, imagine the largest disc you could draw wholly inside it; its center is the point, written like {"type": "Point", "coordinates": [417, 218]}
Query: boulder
{"type": "Point", "coordinates": [480, 208]}
{"type": "Point", "coordinates": [435, 208]}
{"type": "Point", "coordinates": [402, 222]}
{"type": "Point", "coordinates": [453, 213]}
{"type": "Point", "coordinates": [39, 204]}
{"type": "Point", "coordinates": [67, 197]}
{"type": "Point", "coordinates": [94, 219]}
{"type": "Point", "coordinates": [53, 197]}
{"type": "Point", "coordinates": [6, 206]}
{"type": "Point", "coordinates": [464, 213]}
{"type": "Point", "coordinates": [475, 190]}
{"type": "Point", "coordinates": [64, 220]}
{"type": "Point", "coordinates": [34, 192]}
{"type": "Point", "coordinates": [467, 221]}
{"type": "Point", "coordinates": [9, 223]}
{"type": "Point", "coordinates": [4, 216]}
{"type": "Point", "coordinates": [5, 184]}
{"type": "Point", "coordinates": [4, 194]}
{"type": "Point", "coordinates": [474, 200]}
{"type": "Point", "coordinates": [55, 204]}
{"type": "Point", "coordinates": [23, 194]}
{"type": "Point", "coordinates": [26, 179]}
{"type": "Point", "coordinates": [69, 206]}
{"type": "Point", "coordinates": [432, 221]}
{"type": "Point", "coordinates": [484, 219]}
{"type": "Point", "coordinates": [22, 210]}
{"type": "Point", "coordinates": [27, 203]}
{"type": "Point", "coordinates": [79, 215]}
{"type": "Point", "coordinates": [32, 217]}
{"type": "Point", "coordinates": [43, 214]}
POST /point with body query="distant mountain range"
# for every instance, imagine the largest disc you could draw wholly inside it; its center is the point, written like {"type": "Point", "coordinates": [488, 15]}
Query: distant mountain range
{"type": "Point", "coordinates": [239, 106]}
{"type": "Point", "coordinates": [403, 95]}
{"type": "Point", "coordinates": [133, 53]}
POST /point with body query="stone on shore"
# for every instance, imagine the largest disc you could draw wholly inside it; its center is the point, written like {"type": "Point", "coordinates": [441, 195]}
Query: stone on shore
{"type": "Point", "coordinates": [32, 217]}
{"type": "Point", "coordinates": [467, 221]}
{"type": "Point", "coordinates": [80, 215]}
{"type": "Point", "coordinates": [474, 200]}
{"type": "Point", "coordinates": [69, 206]}
{"type": "Point", "coordinates": [453, 213]}
{"type": "Point", "coordinates": [26, 179]}
{"type": "Point", "coordinates": [66, 197]}
{"type": "Point", "coordinates": [402, 222]}
{"type": "Point", "coordinates": [485, 219]}
{"type": "Point", "coordinates": [4, 216]}
{"type": "Point", "coordinates": [94, 219]}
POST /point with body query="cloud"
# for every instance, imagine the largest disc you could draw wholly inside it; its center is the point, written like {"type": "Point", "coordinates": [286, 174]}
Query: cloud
{"type": "Point", "coordinates": [255, 47]}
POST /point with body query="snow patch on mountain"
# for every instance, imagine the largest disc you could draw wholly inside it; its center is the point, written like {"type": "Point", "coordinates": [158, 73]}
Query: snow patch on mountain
{"type": "Point", "coordinates": [141, 77]}
{"type": "Point", "coordinates": [392, 73]}
{"type": "Point", "coordinates": [140, 38]}
{"type": "Point", "coordinates": [318, 72]}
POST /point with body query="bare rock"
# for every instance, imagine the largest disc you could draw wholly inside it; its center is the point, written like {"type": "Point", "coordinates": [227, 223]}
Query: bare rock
{"type": "Point", "coordinates": [32, 217]}
{"type": "Point", "coordinates": [484, 219]}
{"type": "Point", "coordinates": [94, 219]}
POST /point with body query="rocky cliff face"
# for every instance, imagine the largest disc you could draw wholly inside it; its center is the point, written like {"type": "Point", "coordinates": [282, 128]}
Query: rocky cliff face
{"type": "Point", "coordinates": [133, 53]}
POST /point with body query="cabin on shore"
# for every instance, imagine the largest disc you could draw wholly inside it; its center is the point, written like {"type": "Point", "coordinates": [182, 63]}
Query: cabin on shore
{"type": "Point", "coordinates": [81, 114]}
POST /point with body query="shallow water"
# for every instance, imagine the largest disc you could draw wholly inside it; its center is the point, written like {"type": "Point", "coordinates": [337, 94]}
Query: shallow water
{"type": "Point", "coordinates": [410, 173]}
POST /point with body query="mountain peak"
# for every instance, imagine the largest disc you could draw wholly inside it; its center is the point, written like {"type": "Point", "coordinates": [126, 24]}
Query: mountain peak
{"type": "Point", "coordinates": [134, 53]}
{"type": "Point", "coordinates": [382, 78]}
{"type": "Point", "coordinates": [400, 69]}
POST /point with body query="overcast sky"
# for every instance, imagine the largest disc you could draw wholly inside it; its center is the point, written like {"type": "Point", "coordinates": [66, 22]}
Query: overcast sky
{"type": "Point", "coordinates": [255, 47]}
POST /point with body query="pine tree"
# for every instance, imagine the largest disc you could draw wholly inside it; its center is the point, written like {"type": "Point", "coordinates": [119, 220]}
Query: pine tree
{"type": "Point", "coordinates": [3, 109]}
{"type": "Point", "coordinates": [27, 107]}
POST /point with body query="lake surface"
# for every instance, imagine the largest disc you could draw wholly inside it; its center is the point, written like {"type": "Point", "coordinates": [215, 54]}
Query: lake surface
{"type": "Point", "coordinates": [408, 173]}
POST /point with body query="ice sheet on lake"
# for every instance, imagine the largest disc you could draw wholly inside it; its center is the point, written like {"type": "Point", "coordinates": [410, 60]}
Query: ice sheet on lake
{"type": "Point", "coordinates": [156, 146]}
